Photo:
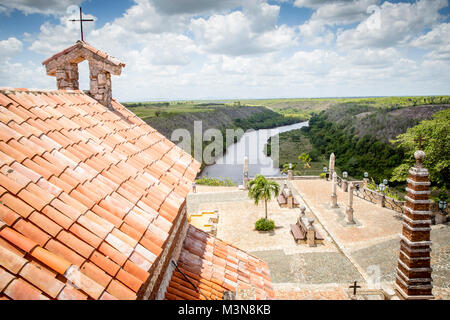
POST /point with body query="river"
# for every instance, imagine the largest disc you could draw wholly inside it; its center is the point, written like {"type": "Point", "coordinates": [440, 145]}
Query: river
{"type": "Point", "coordinates": [231, 165]}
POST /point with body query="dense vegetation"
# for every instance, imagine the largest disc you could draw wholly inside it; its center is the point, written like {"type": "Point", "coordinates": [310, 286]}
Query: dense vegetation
{"type": "Point", "coordinates": [305, 107]}
{"type": "Point", "coordinates": [169, 116]}
{"type": "Point", "coordinates": [353, 154]}
{"type": "Point", "coordinates": [436, 145]}
{"type": "Point", "coordinates": [388, 156]}
{"type": "Point", "coordinates": [264, 120]}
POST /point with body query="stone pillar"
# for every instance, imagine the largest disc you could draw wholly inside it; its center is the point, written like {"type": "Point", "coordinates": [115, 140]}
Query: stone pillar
{"type": "Point", "coordinates": [344, 185]}
{"type": "Point", "coordinates": [290, 174]}
{"type": "Point", "coordinates": [290, 199]}
{"type": "Point", "coordinates": [333, 191]}
{"type": "Point", "coordinates": [245, 181]}
{"type": "Point", "coordinates": [331, 164]}
{"type": "Point", "coordinates": [349, 209]}
{"type": "Point", "coordinates": [302, 211]}
{"type": "Point", "coordinates": [413, 279]}
{"type": "Point", "coordinates": [67, 77]}
{"type": "Point", "coordinates": [100, 85]}
{"type": "Point", "coordinates": [310, 233]}
{"type": "Point", "coordinates": [366, 181]}
{"type": "Point", "coordinates": [440, 218]}
{"type": "Point", "coordinates": [382, 200]}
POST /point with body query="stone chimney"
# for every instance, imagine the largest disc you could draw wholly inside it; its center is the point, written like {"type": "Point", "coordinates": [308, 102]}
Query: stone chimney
{"type": "Point", "coordinates": [413, 279]}
{"type": "Point", "coordinates": [64, 66]}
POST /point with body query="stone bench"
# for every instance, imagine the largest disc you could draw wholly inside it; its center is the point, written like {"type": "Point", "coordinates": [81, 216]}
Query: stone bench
{"type": "Point", "coordinates": [286, 200]}
{"type": "Point", "coordinates": [297, 233]}
{"type": "Point", "coordinates": [304, 232]}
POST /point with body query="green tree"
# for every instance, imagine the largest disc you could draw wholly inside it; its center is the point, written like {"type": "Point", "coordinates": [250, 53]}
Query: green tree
{"type": "Point", "coordinates": [285, 167]}
{"type": "Point", "coordinates": [436, 145]}
{"type": "Point", "coordinates": [262, 189]}
{"type": "Point", "coordinates": [306, 159]}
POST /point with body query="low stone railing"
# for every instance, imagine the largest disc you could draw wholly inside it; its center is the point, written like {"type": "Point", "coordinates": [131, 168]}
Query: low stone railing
{"type": "Point", "coordinates": [379, 198]}
{"type": "Point", "coordinates": [391, 203]}
{"type": "Point", "coordinates": [294, 178]}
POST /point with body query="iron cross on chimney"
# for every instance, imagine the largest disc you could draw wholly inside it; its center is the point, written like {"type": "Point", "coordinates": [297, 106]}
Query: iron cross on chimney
{"type": "Point", "coordinates": [81, 22]}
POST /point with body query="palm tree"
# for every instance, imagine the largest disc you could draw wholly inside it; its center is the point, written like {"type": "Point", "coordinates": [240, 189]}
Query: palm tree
{"type": "Point", "coordinates": [262, 189]}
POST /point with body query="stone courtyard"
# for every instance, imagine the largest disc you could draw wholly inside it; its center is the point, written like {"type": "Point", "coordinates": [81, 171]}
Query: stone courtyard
{"type": "Point", "coordinates": [363, 252]}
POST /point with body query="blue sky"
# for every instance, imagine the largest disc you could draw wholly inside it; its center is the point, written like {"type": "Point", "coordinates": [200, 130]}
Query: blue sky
{"type": "Point", "coordinates": [211, 49]}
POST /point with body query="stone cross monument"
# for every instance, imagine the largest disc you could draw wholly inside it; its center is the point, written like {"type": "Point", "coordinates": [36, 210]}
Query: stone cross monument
{"type": "Point", "coordinates": [349, 209]}
{"type": "Point", "coordinates": [331, 164]}
{"type": "Point", "coordinates": [413, 279]}
{"type": "Point", "coordinates": [333, 191]}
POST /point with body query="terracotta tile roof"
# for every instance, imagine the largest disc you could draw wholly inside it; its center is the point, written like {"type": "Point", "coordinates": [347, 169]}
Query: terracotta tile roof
{"type": "Point", "coordinates": [84, 212]}
{"type": "Point", "coordinates": [215, 266]}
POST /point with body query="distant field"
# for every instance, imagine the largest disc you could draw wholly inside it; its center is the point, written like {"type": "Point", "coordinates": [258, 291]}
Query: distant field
{"type": "Point", "coordinates": [147, 110]}
{"type": "Point", "coordinates": [304, 107]}
{"type": "Point", "coordinates": [301, 107]}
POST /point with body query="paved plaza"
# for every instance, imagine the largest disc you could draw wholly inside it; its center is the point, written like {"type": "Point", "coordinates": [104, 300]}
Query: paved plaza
{"type": "Point", "coordinates": [366, 252]}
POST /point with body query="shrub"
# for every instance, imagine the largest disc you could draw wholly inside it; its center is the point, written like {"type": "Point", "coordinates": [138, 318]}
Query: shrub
{"type": "Point", "coordinates": [323, 175]}
{"type": "Point", "coordinates": [264, 225]}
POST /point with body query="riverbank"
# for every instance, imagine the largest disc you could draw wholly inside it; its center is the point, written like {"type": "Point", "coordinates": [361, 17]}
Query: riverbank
{"type": "Point", "coordinates": [250, 145]}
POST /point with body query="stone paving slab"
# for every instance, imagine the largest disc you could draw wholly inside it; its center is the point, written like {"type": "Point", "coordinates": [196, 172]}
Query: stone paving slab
{"type": "Point", "coordinates": [375, 221]}
{"type": "Point", "coordinates": [237, 222]}
{"type": "Point", "coordinates": [384, 256]}
{"type": "Point", "coordinates": [309, 268]}
{"type": "Point", "coordinates": [373, 246]}
{"type": "Point", "coordinates": [329, 291]}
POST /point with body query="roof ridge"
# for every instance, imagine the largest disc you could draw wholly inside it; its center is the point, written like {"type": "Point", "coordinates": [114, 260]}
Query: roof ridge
{"type": "Point", "coordinates": [6, 90]}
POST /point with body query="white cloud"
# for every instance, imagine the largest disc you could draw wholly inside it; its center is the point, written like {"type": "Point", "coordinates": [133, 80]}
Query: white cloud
{"type": "Point", "coordinates": [343, 12]}
{"type": "Point", "coordinates": [38, 6]}
{"type": "Point", "coordinates": [315, 4]}
{"type": "Point", "coordinates": [186, 49]}
{"type": "Point", "coordinates": [438, 40]}
{"type": "Point", "coordinates": [438, 36]}
{"type": "Point", "coordinates": [10, 47]}
{"type": "Point", "coordinates": [398, 24]}
{"type": "Point", "coordinates": [252, 30]}
{"type": "Point", "coordinates": [194, 6]}
{"type": "Point", "coordinates": [316, 30]}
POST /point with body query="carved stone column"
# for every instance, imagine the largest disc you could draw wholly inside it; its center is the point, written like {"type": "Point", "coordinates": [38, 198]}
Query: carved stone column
{"type": "Point", "coordinates": [349, 209]}
{"type": "Point", "coordinates": [331, 164]}
{"type": "Point", "coordinates": [310, 233]}
{"type": "Point", "coordinates": [290, 175]}
{"type": "Point", "coordinates": [333, 203]}
{"type": "Point", "coordinates": [290, 199]}
{"type": "Point", "coordinates": [413, 279]}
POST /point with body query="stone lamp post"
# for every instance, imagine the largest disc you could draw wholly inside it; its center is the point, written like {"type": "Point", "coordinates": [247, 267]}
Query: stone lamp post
{"type": "Point", "coordinates": [441, 216]}
{"type": "Point", "coordinates": [345, 181]}
{"type": "Point", "coordinates": [333, 203]}
{"type": "Point", "coordinates": [290, 173]}
{"type": "Point", "coordinates": [366, 179]}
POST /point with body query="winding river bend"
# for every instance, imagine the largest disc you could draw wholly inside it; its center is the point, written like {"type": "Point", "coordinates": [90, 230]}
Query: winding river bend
{"type": "Point", "coordinates": [231, 165]}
